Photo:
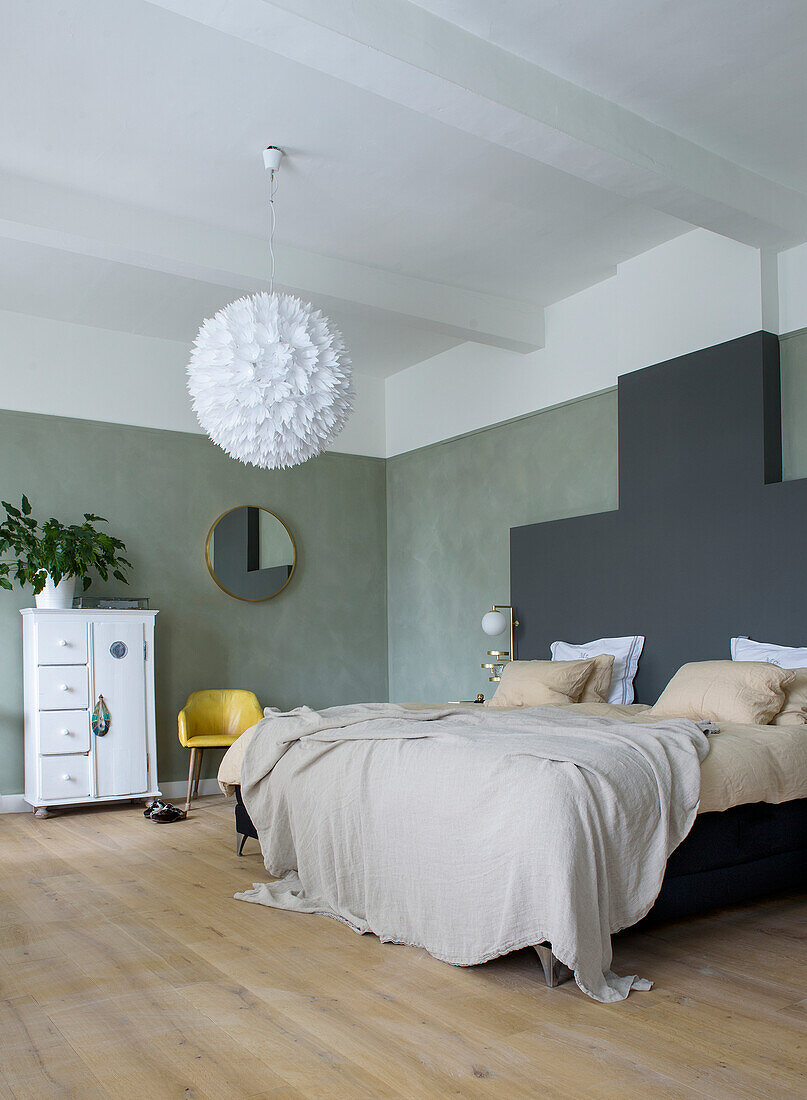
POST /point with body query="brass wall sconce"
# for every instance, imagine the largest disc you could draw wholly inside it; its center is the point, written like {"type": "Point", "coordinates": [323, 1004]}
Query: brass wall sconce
{"type": "Point", "coordinates": [495, 622]}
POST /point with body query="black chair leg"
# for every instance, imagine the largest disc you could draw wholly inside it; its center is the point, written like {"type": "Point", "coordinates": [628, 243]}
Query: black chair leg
{"type": "Point", "coordinates": [243, 839]}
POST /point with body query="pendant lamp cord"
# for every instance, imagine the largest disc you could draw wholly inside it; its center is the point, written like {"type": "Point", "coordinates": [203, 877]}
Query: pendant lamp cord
{"type": "Point", "coordinates": [272, 191]}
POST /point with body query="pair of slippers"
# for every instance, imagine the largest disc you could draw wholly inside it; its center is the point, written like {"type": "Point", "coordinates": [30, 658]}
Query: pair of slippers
{"type": "Point", "coordinates": [163, 812]}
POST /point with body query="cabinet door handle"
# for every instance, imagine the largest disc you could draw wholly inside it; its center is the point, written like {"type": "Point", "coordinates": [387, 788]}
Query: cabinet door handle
{"type": "Point", "coordinates": [63, 687]}
{"type": "Point", "coordinates": [67, 778]}
{"type": "Point", "coordinates": [64, 733]}
{"type": "Point", "coordinates": [61, 642]}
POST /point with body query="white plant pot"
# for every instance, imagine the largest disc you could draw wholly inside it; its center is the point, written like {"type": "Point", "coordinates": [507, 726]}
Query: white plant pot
{"type": "Point", "coordinates": [57, 595]}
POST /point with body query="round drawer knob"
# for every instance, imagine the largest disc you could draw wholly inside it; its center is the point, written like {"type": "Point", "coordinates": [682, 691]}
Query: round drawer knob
{"type": "Point", "coordinates": [61, 642]}
{"type": "Point", "coordinates": [66, 778]}
{"type": "Point", "coordinates": [63, 687]}
{"type": "Point", "coordinates": [64, 733]}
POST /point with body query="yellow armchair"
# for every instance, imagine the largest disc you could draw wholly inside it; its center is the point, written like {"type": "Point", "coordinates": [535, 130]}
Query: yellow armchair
{"type": "Point", "coordinates": [213, 720]}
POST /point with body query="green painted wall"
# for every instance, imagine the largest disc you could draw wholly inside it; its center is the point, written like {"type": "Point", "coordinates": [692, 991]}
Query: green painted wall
{"type": "Point", "coordinates": [450, 508]}
{"type": "Point", "coordinates": [322, 641]}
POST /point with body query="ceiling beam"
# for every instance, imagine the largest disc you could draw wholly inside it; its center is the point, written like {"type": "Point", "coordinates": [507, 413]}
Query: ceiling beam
{"type": "Point", "coordinates": [88, 225]}
{"type": "Point", "coordinates": [405, 54]}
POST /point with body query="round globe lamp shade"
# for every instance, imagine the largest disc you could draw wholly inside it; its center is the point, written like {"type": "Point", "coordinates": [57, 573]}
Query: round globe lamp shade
{"type": "Point", "coordinates": [270, 380]}
{"type": "Point", "coordinates": [493, 623]}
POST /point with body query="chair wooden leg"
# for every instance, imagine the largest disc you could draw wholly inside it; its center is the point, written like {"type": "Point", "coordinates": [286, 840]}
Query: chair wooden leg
{"type": "Point", "coordinates": [191, 772]}
{"type": "Point", "coordinates": [198, 773]}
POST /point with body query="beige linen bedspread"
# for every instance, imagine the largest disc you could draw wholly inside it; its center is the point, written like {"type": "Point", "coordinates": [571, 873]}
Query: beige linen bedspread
{"type": "Point", "coordinates": [745, 763]}
{"type": "Point", "coordinates": [471, 833]}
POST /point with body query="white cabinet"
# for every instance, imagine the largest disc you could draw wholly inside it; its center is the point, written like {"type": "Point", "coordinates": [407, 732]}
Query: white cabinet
{"type": "Point", "coordinates": [74, 660]}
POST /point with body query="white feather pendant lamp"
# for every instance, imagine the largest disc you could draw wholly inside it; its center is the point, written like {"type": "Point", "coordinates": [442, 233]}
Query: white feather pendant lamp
{"type": "Point", "coordinates": [269, 376]}
{"type": "Point", "coordinates": [270, 380]}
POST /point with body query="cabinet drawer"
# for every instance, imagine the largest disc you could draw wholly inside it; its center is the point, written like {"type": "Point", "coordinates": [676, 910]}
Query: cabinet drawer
{"type": "Point", "coordinates": [61, 642]}
{"type": "Point", "coordinates": [62, 687]}
{"type": "Point", "coordinates": [64, 777]}
{"type": "Point", "coordinates": [64, 731]}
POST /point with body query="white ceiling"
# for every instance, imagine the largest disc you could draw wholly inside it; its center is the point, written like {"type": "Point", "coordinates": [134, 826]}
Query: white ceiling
{"type": "Point", "coordinates": [730, 75]}
{"type": "Point", "coordinates": [49, 282]}
{"type": "Point", "coordinates": [130, 102]}
{"type": "Point", "coordinates": [144, 106]}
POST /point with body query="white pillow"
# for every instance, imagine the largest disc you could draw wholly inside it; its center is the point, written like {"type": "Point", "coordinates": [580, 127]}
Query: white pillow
{"type": "Point", "coordinates": [745, 649]}
{"type": "Point", "coordinates": [626, 652]}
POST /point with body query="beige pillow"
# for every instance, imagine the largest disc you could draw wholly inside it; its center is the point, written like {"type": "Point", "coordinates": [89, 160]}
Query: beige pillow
{"type": "Point", "coordinates": [750, 693]}
{"type": "Point", "coordinates": [541, 683]}
{"type": "Point", "coordinates": [794, 712]}
{"type": "Point", "coordinates": [597, 687]}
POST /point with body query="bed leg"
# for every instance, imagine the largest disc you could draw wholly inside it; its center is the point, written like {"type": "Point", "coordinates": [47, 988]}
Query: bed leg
{"type": "Point", "coordinates": [555, 973]}
{"type": "Point", "coordinates": [240, 842]}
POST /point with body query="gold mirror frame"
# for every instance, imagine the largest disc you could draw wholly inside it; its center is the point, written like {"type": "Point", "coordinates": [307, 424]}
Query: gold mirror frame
{"type": "Point", "coordinates": [209, 563]}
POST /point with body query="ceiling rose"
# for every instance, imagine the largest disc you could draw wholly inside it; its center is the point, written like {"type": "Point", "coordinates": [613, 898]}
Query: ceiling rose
{"type": "Point", "coordinates": [269, 375]}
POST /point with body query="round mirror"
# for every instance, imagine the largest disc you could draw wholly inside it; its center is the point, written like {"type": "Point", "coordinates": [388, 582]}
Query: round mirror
{"type": "Point", "coordinates": [250, 553]}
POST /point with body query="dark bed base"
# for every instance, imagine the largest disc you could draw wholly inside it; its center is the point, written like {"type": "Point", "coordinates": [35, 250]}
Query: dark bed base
{"type": "Point", "coordinates": [729, 858]}
{"type": "Point", "coordinates": [243, 822]}
{"type": "Point", "coordinates": [734, 857]}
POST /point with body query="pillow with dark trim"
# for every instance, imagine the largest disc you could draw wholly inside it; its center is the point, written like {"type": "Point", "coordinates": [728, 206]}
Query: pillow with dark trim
{"type": "Point", "coordinates": [626, 653]}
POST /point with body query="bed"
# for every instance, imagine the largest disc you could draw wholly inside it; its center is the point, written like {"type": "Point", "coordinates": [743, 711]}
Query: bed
{"type": "Point", "coordinates": [749, 838]}
{"type": "Point", "coordinates": [704, 546]}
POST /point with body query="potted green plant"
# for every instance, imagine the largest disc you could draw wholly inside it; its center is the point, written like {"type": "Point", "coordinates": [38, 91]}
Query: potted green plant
{"type": "Point", "coordinates": [51, 558]}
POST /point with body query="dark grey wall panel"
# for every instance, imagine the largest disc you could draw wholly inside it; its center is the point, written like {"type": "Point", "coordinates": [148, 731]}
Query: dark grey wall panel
{"type": "Point", "coordinates": [707, 541]}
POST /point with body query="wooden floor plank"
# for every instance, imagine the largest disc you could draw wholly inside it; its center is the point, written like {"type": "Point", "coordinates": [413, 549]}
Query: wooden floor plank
{"type": "Point", "coordinates": [302, 1056]}
{"type": "Point", "coordinates": [156, 1042]}
{"type": "Point", "coordinates": [128, 970]}
{"type": "Point", "coordinates": [37, 1061]}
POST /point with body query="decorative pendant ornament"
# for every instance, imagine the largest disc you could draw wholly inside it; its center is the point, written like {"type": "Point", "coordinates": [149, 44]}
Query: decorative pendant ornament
{"type": "Point", "coordinates": [269, 375]}
{"type": "Point", "coordinates": [101, 718]}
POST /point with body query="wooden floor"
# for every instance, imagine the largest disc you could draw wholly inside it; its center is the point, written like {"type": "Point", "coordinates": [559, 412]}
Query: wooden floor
{"type": "Point", "coordinates": [127, 970]}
